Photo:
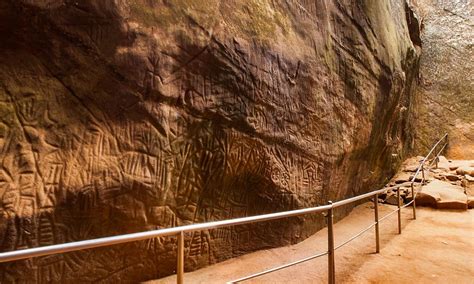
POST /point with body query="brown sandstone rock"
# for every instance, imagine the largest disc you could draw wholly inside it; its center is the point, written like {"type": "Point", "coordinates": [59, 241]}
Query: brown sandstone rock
{"type": "Point", "coordinates": [468, 184]}
{"type": "Point", "coordinates": [469, 178]}
{"type": "Point", "coordinates": [470, 202]}
{"type": "Point", "coordinates": [127, 116]}
{"type": "Point", "coordinates": [452, 177]}
{"type": "Point", "coordinates": [453, 168]}
{"type": "Point", "coordinates": [443, 163]}
{"type": "Point", "coordinates": [465, 171]}
{"type": "Point", "coordinates": [402, 177]}
{"type": "Point", "coordinates": [442, 195]}
{"type": "Point", "coordinates": [392, 199]}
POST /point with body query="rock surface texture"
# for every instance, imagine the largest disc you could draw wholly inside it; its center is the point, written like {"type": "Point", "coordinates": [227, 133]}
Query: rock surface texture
{"type": "Point", "coordinates": [450, 185]}
{"type": "Point", "coordinates": [124, 116]}
{"type": "Point", "coordinates": [447, 82]}
{"type": "Point", "coordinates": [442, 195]}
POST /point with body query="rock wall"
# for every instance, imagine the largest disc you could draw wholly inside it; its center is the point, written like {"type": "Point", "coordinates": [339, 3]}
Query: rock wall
{"type": "Point", "coordinates": [124, 116]}
{"type": "Point", "coordinates": [447, 86]}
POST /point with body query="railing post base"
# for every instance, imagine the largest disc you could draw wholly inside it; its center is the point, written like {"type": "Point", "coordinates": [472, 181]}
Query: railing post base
{"type": "Point", "coordinates": [414, 201]}
{"type": "Point", "coordinates": [377, 236]}
{"type": "Point", "coordinates": [180, 256]}
{"type": "Point", "coordinates": [423, 173]}
{"type": "Point", "coordinates": [399, 212]}
{"type": "Point", "coordinates": [331, 262]}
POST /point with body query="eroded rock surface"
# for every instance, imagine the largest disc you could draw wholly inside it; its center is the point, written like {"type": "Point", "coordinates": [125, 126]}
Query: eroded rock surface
{"type": "Point", "coordinates": [447, 84]}
{"type": "Point", "coordinates": [442, 195]}
{"type": "Point", "coordinates": [449, 185]}
{"type": "Point", "coordinates": [125, 116]}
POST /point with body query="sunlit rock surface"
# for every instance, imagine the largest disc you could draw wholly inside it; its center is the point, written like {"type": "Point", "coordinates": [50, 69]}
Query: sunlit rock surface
{"type": "Point", "coordinates": [125, 116]}
{"type": "Point", "coordinates": [447, 82]}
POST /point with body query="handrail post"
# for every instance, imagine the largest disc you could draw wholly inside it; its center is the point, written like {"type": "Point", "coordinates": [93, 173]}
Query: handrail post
{"type": "Point", "coordinates": [414, 201]}
{"type": "Point", "coordinates": [180, 264]}
{"type": "Point", "coordinates": [377, 235]}
{"type": "Point", "coordinates": [331, 262]}
{"type": "Point", "coordinates": [423, 172]}
{"type": "Point", "coordinates": [399, 212]}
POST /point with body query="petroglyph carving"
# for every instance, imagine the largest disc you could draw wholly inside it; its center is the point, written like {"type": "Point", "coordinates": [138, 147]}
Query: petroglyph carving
{"type": "Point", "coordinates": [127, 116]}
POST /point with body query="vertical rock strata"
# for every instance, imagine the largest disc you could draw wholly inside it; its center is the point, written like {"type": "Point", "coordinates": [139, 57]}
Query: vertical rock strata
{"type": "Point", "coordinates": [124, 116]}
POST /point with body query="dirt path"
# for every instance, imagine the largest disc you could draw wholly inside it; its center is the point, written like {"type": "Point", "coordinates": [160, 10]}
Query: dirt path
{"type": "Point", "coordinates": [436, 248]}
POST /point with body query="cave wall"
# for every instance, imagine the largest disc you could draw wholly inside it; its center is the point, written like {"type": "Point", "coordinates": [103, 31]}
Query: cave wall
{"type": "Point", "coordinates": [124, 116]}
{"type": "Point", "coordinates": [446, 91]}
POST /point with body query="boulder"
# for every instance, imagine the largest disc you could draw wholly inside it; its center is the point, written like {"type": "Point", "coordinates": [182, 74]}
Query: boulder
{"type": "Point", "coordinates": [443, 163]}
{"type": "Point", "coordinates": [440, 177]}
{"type": "Point", "coordinates": [437, 171]}
{"type": "Point", "coordinates": [470, 202]}
{"type": "Point", "coordinates": [452, 177]}
{"type": "Point", "coordinates": [469, 178]}
{"type": "Point", "coordinates": [452, 204]}
{"type": "Point", "coordinates": [403, 177]}
{"type": "Point", "coordinates": [442, 159]}
{"type": "Point", "coordinates": [392, 199]}
{"type": "Point", "coordinates": [442, 195]}
{"type": "Point", "coordinates": [465, 171]}
{"type": "Point", "coordinates": [458, 183]}
{"type": "Point", "coordinates": [468, 187]}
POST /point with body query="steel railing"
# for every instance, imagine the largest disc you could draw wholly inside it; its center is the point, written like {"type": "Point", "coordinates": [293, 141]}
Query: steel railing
{"type": "Point", "coordinates": [179, 231]}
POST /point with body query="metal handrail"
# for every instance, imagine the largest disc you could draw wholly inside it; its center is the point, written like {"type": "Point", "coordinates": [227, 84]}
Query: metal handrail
{"type": "Point", "coordinates": [179, 231]}
{"type": "Point", "coordinates": [421, 166]}
{"type": "Point", "coordinates": [278, 267]}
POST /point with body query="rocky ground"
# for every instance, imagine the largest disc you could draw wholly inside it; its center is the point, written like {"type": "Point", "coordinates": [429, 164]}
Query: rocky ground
{"type": "Point", "coordinates": [449, 185]}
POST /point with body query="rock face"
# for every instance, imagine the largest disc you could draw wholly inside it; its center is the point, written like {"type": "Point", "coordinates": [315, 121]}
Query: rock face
{"type": "Point", "coordinates": [124, 116]}
{"type": "Point", "coordinates": [447, 85]}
